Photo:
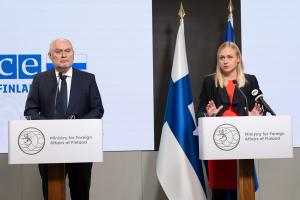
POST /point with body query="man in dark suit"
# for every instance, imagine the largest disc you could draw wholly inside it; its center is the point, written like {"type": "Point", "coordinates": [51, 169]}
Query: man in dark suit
{"type": "Point", "coordinates": [61, 93]}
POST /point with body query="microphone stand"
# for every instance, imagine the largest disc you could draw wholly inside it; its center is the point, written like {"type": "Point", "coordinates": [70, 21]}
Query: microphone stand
{"type": "Point", "coordinates": [56, 93]}
{"type": "Point", "coordinates": [243, 94]}
{"type": "Point", "coordinates": [56, 172]}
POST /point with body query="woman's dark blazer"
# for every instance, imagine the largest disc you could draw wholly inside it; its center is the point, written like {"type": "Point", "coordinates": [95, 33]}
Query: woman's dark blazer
{"type": "Point", "coordinates": [219, 95]}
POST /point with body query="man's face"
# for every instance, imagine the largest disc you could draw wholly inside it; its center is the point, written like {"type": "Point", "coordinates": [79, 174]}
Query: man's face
{"type": "Point", "coordinates": [62, 55]}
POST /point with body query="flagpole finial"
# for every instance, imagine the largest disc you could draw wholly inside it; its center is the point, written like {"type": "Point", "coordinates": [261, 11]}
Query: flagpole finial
{"type": "Point", "coordinates": [230, 7]}
{"type": "Point", "coordinates": [181, 12]}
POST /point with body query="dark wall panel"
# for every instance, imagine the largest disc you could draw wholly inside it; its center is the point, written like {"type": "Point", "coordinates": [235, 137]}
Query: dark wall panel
{"type": "Point", "coordinates": [205, 22]}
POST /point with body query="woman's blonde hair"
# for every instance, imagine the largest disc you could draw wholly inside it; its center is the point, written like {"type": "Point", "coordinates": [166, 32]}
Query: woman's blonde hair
{"type": "Point", "coordinates": [219, 78]}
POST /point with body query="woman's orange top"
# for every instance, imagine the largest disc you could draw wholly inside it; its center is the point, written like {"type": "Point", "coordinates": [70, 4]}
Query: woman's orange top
{"type": "Point", "coordinates": [223, 173]}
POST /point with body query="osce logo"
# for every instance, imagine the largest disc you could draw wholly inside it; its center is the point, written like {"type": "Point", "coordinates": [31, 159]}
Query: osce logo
{"type": "Point", "coordinates": [22, 66]}
{"type": "Point", "coordinates": [17, 70]}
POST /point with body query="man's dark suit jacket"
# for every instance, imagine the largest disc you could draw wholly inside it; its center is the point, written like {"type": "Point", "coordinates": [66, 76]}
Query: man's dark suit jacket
{"type": "Point", "coordinates": [84, 101]}
{"type": "Point", "coordinates": [220, 97]}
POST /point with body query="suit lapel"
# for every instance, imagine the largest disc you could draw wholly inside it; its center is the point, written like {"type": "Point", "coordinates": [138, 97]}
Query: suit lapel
{"type": "Point", "coordinates": [73, 91]}
{"type": "Point", "coordinates": [237, 97]}
{"type": "Point", "coordinates": [49, 90]}
{"type": "Point", "coordinates": [51, 81]}
{"type": "Point", "coordinates": [51, 84]}
{"type": "Point", "coordinates": [224, 96]}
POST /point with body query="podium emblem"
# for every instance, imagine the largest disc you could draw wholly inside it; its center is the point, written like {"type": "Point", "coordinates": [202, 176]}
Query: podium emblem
{"type": "Point", "coordinates": [226, 137]}
{"type": "Point", "coordinates": [31, 141]}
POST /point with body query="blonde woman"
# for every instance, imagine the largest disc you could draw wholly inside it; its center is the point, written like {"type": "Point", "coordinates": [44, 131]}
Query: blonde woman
{"type": "Point", "coordinates": [227, 92]}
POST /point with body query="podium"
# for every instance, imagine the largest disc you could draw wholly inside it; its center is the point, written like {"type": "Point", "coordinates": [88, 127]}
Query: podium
{"type": "Point", "coordinates": [55, 142]}
{"type": "Point", "coordinates": [245, 138]}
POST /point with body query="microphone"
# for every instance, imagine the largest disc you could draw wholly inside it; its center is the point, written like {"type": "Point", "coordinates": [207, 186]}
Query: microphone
{"type": "Point", "coordinates": [60, 75]}
{"type": "Point", "coordinates": [56, 92]}
{"type": "Point", "coordinates": [239, 89]}
{"type": "Point", "coordinates": [258, 97]}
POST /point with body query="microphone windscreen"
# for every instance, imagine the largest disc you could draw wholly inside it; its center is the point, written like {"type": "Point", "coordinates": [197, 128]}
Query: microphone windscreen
{"type": "Point", "coordinates": [256, 94]}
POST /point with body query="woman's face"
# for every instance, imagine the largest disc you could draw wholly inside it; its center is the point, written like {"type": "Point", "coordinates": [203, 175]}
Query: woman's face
{"type": "Point", "coordinates": [228, 61]}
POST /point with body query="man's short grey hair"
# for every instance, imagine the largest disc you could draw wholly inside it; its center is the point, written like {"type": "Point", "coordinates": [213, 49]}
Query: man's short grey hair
{"type": "Point", "coordinates": [56, 40]}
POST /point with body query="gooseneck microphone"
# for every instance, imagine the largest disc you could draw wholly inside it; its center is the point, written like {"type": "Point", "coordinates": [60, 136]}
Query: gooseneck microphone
{"type": "Point", "coordinates": [243, 94]}
{"type": "Point", "coordinates": [56, 92]}
{"type": "Point", "coordinates": [258, 97]}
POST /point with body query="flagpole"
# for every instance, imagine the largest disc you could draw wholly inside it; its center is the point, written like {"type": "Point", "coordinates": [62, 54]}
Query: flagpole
{"type": "Point", "coordinates": [229, 32]}
{"type": "Point", "coordinates": [230, 9]}
{"type": "Point", "coordinates": [181, 12]}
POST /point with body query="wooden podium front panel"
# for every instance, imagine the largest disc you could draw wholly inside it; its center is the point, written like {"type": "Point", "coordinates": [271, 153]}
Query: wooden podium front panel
{"type": "Point", "coordinates": [246, 180]}
{"type": "Point", "coordinates": [56, 182]}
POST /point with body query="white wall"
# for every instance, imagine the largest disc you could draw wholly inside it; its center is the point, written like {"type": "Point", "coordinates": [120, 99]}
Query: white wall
{"type": "Point", "coordinates": [270, 46]}
{"type": "Point", "coordinates": [113, 39]}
